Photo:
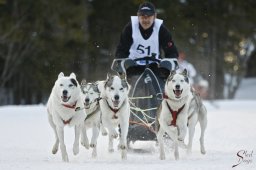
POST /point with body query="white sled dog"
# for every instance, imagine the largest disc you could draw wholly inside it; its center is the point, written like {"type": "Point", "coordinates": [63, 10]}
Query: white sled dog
{"type": "Point", "coordinates": [91, 98]}
{"type": "Point", "coordinates": [115, 110]}
{"type": "Point", "coordinates": [181, 107]}
{"type": "Point", "coordinates": [63, 109]}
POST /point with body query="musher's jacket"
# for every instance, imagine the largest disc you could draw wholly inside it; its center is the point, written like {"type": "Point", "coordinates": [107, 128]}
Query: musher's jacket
{"type": "Point", "coordinates": [134, 39]}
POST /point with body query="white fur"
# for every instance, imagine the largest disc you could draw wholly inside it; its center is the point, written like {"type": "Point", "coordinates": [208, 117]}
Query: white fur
{"type": "Point", "coordinates": [58, 113]}
{"type": "Point", "coordinates": [190, 114]}
{"type": "Point", "coordinates": [108, 94]}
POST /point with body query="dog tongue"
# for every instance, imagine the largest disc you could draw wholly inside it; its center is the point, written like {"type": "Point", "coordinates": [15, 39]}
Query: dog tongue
{"type": "Point", "coordinates": [177, 92]}
{"type": "Point", "coordinates": [64, 98]}
{"type": "Point", "coordinates": [115, 103]}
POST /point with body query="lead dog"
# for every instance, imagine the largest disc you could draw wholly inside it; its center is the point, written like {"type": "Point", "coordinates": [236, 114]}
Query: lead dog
{"type": "Point", "coordinates": [115, 110]}
{"type": "Point", "coordinates": [181, 107]}
{"type": "Point", "coordinates": [63, 109]}
{"type": "Point", "coordinates": [91, 97]}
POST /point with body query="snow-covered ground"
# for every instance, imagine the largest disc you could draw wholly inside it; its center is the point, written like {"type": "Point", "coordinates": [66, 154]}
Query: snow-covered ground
{"type": "Point", "coordinates": [26, 142]}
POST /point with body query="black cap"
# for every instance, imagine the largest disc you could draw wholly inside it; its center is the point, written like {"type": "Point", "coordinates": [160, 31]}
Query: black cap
{"type": "Point", "coordinates": [146, 8]}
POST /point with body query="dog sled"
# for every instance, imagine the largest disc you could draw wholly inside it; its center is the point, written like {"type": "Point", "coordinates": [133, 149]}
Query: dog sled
{"type": "Point", "coordinates": [145, 95]}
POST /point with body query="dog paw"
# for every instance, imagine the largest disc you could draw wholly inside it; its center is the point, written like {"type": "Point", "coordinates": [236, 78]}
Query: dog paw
{"type": "Point", "coordinates": [76, 149]}
{"type": "Point", "coordinates": [203, 151]}
{"type": "Point", "coordinates": [114, 135]}
{"type": "Point", "coordinates": [162, 157]}
{"type": "Point", "coordinates": [65, 158]}
{"type": "Point", "coordinates": [93, 145]}
{"type": "Point", "coordinates": [54, 150]}
{"type": "Point", "coordinates": [176, 156]}
{"type": "Point", "coordinates": [110, 150]}
{"type": "Point", "coordinates": [122, 147]}
{"type": "Point", "coordinates": [94, 154]}
{"type": "Point", "coordinates": [124, 155]}
{"type": "Point", "coordinates": [182, 144]}
{"type": "Point", "coordinates": [85, 144]}
{"type": "Point", "coordinates": [104, 133]}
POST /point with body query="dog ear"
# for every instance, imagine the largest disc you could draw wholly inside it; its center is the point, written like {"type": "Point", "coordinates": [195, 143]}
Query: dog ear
{"type": "Point", "coordinates": [106, 81]}
{"type": "Point", "coordinates": [122, 76]}
{"type": "Point", "coordinates": [171, 74]}
{"type": "Point", "coordinates": [83, 82]}
{"type": "Point", "coordinates": [72, 75]}
{"type": "Point", "coordinates": [61, 75]}
{"type": "Point", "coordinates": [185, 72]}
{"type": "Point", "coordinates": [95, 87]}
{"type": "Point", "coordinates": [108, 76]}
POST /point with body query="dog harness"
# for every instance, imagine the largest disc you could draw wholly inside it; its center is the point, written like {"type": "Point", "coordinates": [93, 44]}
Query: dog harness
{"type": "Point", "coordinates": [67, 121]}
{"type": "Point", "coordinates": [70, 107]}
{"type": "Point", "coordinates": [113, 110]}
{"type": "Point", "coordinates": [174, 113]}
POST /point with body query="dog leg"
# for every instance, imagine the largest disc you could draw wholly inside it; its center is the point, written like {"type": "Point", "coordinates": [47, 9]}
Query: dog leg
{"type": "Point", "coordinates": [123, 139]}
{"type": "Point", "coordinates": [103, 130]}
{"type": "Point", "coordinates": [56, 145]}
{"type": "Point", "coordinates": [191, 126]}
{"type": "Point", "coordinates": [110, 144]}
{"type": "Point", "coordinates": [173, 133]}
{"type": "Point", "coordinates": [203, 125]}
{"type": "Point", "coordinates": [76, 142]}
{"type": "Point", "coordinates": [95, 135]}
{"type": "Point", "coordinates": [161, 143]}
{"type": "Point", "coordinates": [176, 151]}
{"type": "Point", "coordinates": [60, 132]}
{"type": "Point", "coordinates": [112, 132]}
{"type": "Point", "coordinates": [84, 138]}
{"type": "Point", "coordinates": [182, 131]}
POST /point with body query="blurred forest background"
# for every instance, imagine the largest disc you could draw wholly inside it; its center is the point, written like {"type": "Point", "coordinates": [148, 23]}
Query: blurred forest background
{"type": "Point", "coordinates": [40, 38]}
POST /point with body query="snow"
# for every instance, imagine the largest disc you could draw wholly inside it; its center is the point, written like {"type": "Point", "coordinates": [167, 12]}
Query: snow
{"type": "Point", "coordinates": [27, 138]}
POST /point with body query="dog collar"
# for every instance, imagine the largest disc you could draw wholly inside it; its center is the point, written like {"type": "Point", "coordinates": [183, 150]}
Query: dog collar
{"type": "Point", "coordinates": [174, 114]}
{"type": "Point", "coordinates": [165, 96]}
{"type": "Point", "coordinates": [113, 110]}
{"type": "Point", "coordinates": [70, 106]}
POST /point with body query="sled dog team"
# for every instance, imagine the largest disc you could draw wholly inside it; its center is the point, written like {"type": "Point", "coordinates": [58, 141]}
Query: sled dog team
{"type": "Point", "coordinates": [104, 105]}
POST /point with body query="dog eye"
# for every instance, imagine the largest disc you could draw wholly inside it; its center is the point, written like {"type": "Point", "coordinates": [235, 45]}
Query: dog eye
{"type": "Point", "coordinates": [182, 80]}
{"type": "Point", "coordinates": [91, 93]}
{"type": "Point", "coordinates": [121, 89]}
{"type": "Point", "coordinates": [173, 81]}
{"type": "Point", "coordinates": [112, 88]}
{"type": "Point", "coordinates": [61, 85]}
{"type": "Point", "coordinates": [71, 85]}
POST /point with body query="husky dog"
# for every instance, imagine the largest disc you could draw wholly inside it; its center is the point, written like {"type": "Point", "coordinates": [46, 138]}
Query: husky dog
{"type": "Point", "coordinates": [181, 107]}
{"type": "Point", "coordinates": [91, 97]}
{"type": "Point", "coordinates": [115, 110]}
{"type": "Point", "coordinates": [63, 109]}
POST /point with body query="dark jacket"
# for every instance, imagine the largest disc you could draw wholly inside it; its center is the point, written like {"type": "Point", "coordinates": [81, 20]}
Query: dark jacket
{"type": "Point", "coordinates": [165, 41]}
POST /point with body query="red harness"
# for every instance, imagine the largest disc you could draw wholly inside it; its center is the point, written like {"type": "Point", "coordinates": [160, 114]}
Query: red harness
{"type": "Point", "coordinates": [70, 107]}
{"type": "Point", "coordinates": [174, 113]}
{"type": "Point", "coordinates": [113, 110]}
{"type": "Point", "coordinates": [67, 121]}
